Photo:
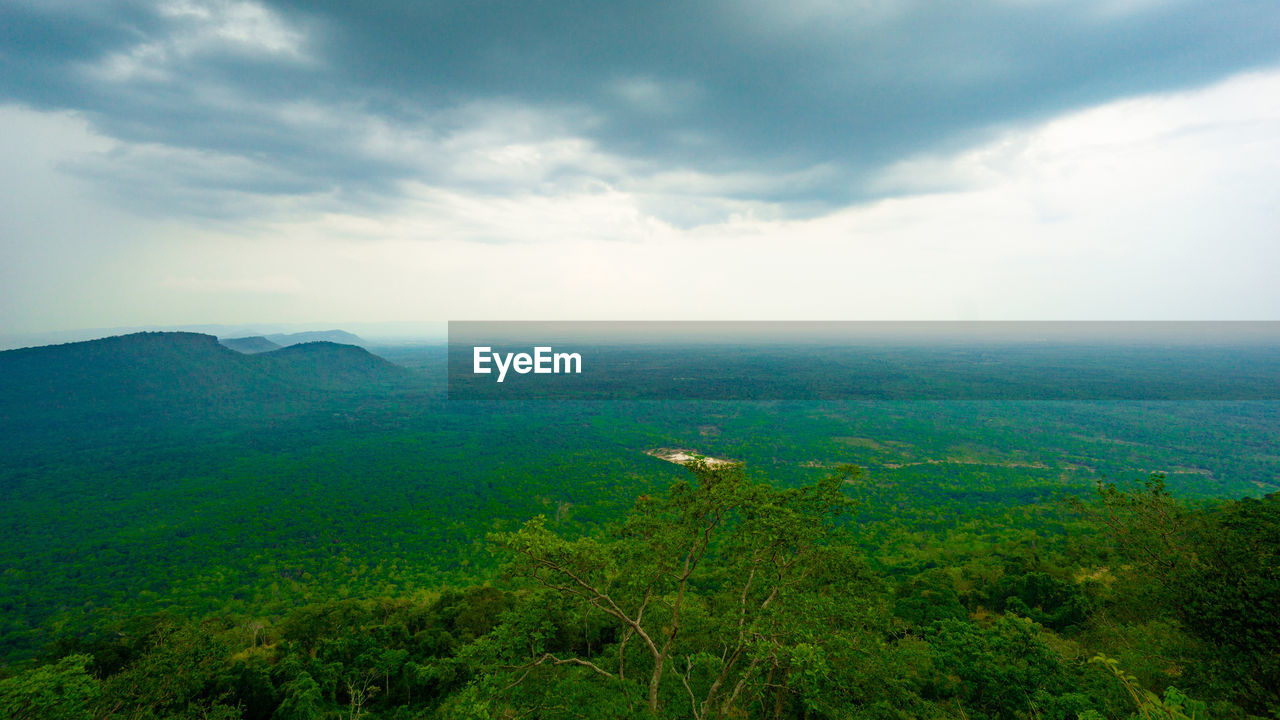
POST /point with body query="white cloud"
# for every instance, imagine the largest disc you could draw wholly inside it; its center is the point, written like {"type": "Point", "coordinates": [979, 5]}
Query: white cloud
{"type": "Point", "coordinates": [203, 28]}
{"type": "Point", "coordinates": [1162, 207]}
{"type": "Point", "coordinates": [1127, 151]}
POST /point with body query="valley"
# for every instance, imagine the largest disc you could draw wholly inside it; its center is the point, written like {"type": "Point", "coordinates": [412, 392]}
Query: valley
{"type": "Point", "coordinates": [181, 479]}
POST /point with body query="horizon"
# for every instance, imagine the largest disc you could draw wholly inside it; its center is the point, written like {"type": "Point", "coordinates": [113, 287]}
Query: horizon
{"type": "Point", "coordinates": [744, 332]}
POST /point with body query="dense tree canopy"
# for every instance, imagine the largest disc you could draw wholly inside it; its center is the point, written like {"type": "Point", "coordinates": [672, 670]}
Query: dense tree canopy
{"type": "Point", "coordinates": [727, 597]}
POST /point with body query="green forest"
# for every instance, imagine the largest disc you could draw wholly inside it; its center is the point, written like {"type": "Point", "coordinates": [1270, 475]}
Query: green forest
{"type": "Point", "coordinates": [320, 533]}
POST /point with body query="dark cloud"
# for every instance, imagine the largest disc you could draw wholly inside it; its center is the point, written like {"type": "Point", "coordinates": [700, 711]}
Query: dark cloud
{"type": "Point", "coordinates": [806, 100]}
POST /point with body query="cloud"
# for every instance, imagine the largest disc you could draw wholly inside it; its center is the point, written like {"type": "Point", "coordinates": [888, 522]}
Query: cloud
{"type": "Point", "coordinates": [791, 109]}
{"type": "Point", "coordinates": [1162, 207]}
{"type": "Point", "coordinates": [274, 160]}
{"type": "Point", "coordinates": [1146, 144]}
{"type": "Point", "coordinates": [199, 32]}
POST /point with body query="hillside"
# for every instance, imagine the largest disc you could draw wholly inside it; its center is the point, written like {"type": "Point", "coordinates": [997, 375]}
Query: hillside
{"type": "Point", "coordinates": [333, 336]}
{"type": "Point", "coordinates": [174, 508]}
{"type": "Point", "coordinates": [332, 366]}
{"type": "Point", "coordinates": [249, 345]}
{"type": "Point", "coordinates": [144, 379]}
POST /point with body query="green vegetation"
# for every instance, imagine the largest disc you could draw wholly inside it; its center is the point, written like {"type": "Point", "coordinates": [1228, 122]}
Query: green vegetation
{"type": "Point", "coordinates": [337, 541]}
{"type": "Point", "coordinates": [725, 598]}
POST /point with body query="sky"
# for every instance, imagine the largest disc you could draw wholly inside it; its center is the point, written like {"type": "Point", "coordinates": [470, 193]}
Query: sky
{"type": "Point", "coordinates": [192, 162]}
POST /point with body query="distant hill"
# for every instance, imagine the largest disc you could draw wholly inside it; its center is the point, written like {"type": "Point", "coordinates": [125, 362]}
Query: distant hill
{"type": "Point", "coordinates": [249, 345]}
{"type": "Point", "coordinates": [165, 379]}
{"type": "Point", "coordinates": [332, 366]}
{"type": "Point", "coordinates": [341, 337]}
{"type": "Point", "coordinates": [25, 340]}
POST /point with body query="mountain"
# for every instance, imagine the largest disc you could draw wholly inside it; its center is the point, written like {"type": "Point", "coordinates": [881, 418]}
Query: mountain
{"type": "Point", "coordinates": [249, 345]}
{"type": "Point", "coordinates": [280, 337]}
{"type": "Point", "coordinates": [341, 337]}
{"type": "Point", "coordinates": [167, 379]}
{"type": "Point", "coordinates": [325, 365]}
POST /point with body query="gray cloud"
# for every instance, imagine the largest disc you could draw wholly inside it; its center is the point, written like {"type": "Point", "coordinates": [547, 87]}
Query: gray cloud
{"type": "Point", "coordinates": [796, 106]}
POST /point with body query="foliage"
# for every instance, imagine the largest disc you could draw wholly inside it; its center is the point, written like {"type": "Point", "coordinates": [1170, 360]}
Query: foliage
{"type": "Point", "coordinates": [247, 546]}
{"type": "Point", "coordinates": [1218, 571]}
{"type": "Point", "coordinates": [1173, 705]}
{"type": "Point", "coordinates": [710, 591]}
{"type": "Point", "coordinates": [60, 691]}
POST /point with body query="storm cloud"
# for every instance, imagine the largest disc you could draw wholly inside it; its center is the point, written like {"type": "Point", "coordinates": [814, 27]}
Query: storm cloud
{"type": "Point", "coordinates": [187, 162]}
{"type": "Point", "coordinates": [698, 107]}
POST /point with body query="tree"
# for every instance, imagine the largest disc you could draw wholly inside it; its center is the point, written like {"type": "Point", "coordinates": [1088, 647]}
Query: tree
{"type": "Point", "coordinates": [1175, 705]}
{"type": "Point", "coordinates": [58, 691]}
{"type": "Point", "coordinates": [723, 592]}
{"type": "Point", "coordinates": [302, 699]}
{"type": "Point", "coordinates": [1218, 573]}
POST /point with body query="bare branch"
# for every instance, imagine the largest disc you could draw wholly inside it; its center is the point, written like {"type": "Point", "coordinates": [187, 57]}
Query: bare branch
{"type": "Point", "coordinates": [528, 667]}
{"type": "Point", "coordinates": [595, 598]}
{"type": "Point", "coordinates": [693, 701]}
{"type": "Point", "coordinates": [742, 683]}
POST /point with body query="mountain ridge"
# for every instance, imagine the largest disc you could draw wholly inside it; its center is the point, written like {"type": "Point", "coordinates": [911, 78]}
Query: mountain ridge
{"type": "Point", "coordinates": [148, 378]}
{"type": "Point", "coordinates": [341, 337]}
{"type": "Point", "coordinates": [250, 345]}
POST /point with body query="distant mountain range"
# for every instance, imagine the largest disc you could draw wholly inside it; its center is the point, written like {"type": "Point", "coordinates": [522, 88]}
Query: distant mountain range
{"type": "Point", "coordinates": [250, 345]}
{"type": "Point", "coordinates": [341, 337]}
{"type": "Point", "coordinates": [266, 343]}
{"type": "Point", "coordinates": [150, 378]}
